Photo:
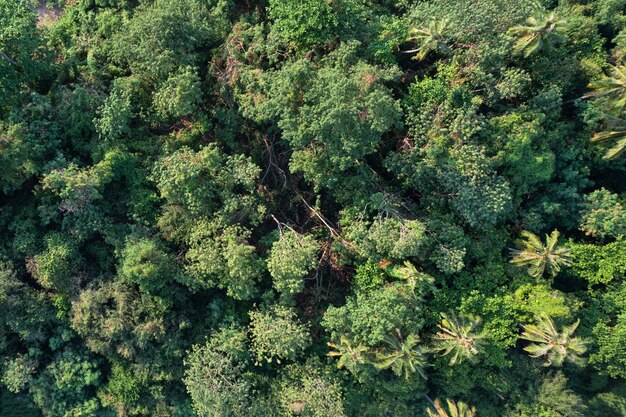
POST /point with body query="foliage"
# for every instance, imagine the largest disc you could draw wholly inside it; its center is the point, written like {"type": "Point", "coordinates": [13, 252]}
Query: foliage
{"type": "Point", "coordinates": [277, 335]}
{"type": "Point", "coordinates": [430, 39]}
{"type": "Point", "coordinates": [611, 350]}
{"type": "Point", "coordinates": [215, 381]}
{"type": "Point", "coordinates": [402, 355]}
{"type": "Point", "coordinates": [458, 338]}
{"type": "Point", "coordinates": [599, 263]}
{"type": "Point", "coordinates": [386, 238]}
{"type": "Point", "coordinates": [539, 258]}
{"type": "Point", "coordinates": [553, 398]}
{"type": "Point", "coordinates": [312, 23]}
{"type": "Point", "coordinates": [290, 260]}
{"type": "Point", "coordinates": [116, 320]}
{"type": "Point", "coordinates": [451, 409]}
{"type": "Point", "coordinates": [63, 387]}
{"type": "Point", "coordinates": [603, 215]}
{"type": "Point", "coordinates": [556, 345]}
{"type": "Point", "coordinates": [206, 181]}
{"type": "Point", "coordinates": [223, 258]}
{"type": "Point", "coordinates": [54, 268]}
{"type": "Point", "coordinates": [618, 135]}
{"type": "Point", "coordinates": [179, 95]}
{"type": "Point", "coordinates": [350, 357]}
{"type": "Point", "coordinates": [369, 276]}
{"type": "Point", "coordinates": [418, 283]}
{"type": "Point", "coordinates": [609, 90]}
{"type": "Point", "coordinates": [371, 317]}
{"type": "Point", "coordinates": [538, 32]}
{"type": "Point", "coordinates": [147, 265]}
{"type": "Point", "coordinates": [14, 158]}
{"type": "Point", "coordinates": [308, 204]}
{"type": "Point", "coordinates": [327, 142]}
{"type": "Point", "coordinates": [608, 93]}
{"type": "Point", "coordinates": [307, 390]}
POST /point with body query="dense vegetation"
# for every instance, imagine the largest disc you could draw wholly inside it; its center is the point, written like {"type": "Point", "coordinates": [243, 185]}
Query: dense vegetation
{"type": "Point", "coordinates": [313, 208]}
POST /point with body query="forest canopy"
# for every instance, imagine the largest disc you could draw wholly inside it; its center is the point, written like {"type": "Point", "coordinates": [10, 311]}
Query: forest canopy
{"type": "Point", "coordinates": [322, 208]}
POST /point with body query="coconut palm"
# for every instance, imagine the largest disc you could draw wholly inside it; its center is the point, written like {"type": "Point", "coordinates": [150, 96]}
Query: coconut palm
{"type": "Point", "coordinates": [537, 257]}
{"type": "Point", "coordinates": [402, 355]}
{"type": "Point", "coordinates": [430, 39]}
{"type": "Point", "coordinates": [350, 357]}
{"type": "Point", "coordinates": [610, 90]}
{"type": "Point", "coordinates": [418, 282]}
{"type": "Point", "coordinates": [617, 137]}
{"type": "Point", "coordinates": [452, 409]}
{"type": "Point", "coordinates": [458, 337]}
{"type": "Point", "coordinates": [554, 345]}
{"type": "Point", "coordinates": [540, 31]}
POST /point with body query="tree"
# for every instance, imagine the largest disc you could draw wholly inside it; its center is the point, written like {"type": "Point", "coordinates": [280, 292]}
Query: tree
{"type": "Point", "coordinates": [350, 356]}
{"type": "Point", "coordinates": [160, 37]}
{"type": "Point", "coordinates": [402, 355]}
{"type": "Point", "coordinates": [222, 257]}
{"type": "Point", "coordinates": [310, 390]}
{"type": "Point", "coordinates": [291, 258]}
{"type": "Point", "coordinates": [479, 195]}
{"type": "Point", "coordinates": [179, 95]}
{"type": "Point", "coordinates": [65, 387]}
{"type": "Point", "coordinates": [611, 351]}
{"type": "Point", "coordinates": [451, 409]}
{"type": "Point", "coordinates": [209, 182]}
{"type": "Point", "coordinates": [18, 373]}
{"type": "Point", "coordinates": [369, 317]}
{"type": "Point", "coordinates": [28, 313]}
{"type": "Point", "coordinates": [617, 137]}
{"type": "Point", "coordinates": [16, 165]}
{"type": "Point", "coordinates": [599, 264]}
{"type": "Point", "coordinates": [126, 388]}
{"type": "Point", "coordinates": [57, 266]}
{"type": "Point", "coordinates": [144, 144]}
{"type": "Point", "coordinates": [117, 321]}
{"type": "Point", "coordinates": [458, 337]}
{"type": "Point", "coordinates": [554, 395]}
{"type": "Point", "coordinates": [539, 32]}
{"type": "Point", "coordinates": [603, 214]}
{"type": "Point", "coordinates": [331, 113]}
{"type": "Point", "coordinates": [432, 38]}
{"type": "Point", "coordinates": [556, 346]}
{"type": "Point", "coordinates": [115, 114]}
{"type": "Point", "coordinates": [277, 335]}
{"type": "Point", "coordinates": [216, 382]}
{"type": "Point", "coordinates": [419, 283]}
{"type": "Point", "coordinates": [308, 24]}
{"type": "Point", "coordinates": [539, 258]}
{"type": "Point", "coordinates": [610, 91]}
{"type": "Point", "coordinates": [19, 40]}
{"type": "Point", "coordinates": [386, 237]}
{"type": "Point", "coordinates": [553, 398]}
{"type": "Point", "coordinates": [146, 264]}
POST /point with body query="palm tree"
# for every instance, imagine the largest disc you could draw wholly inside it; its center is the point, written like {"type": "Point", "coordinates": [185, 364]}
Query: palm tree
{"type": "Point", "coordinates": [458, 337]}
{"type": "Point", "coordinates": [458, 409]}
{"type": "Point", "coordinates": [556, 346]}
{"type": "Point", "coordinates": [350, 357]}
{"type": "Point", "coordinates": [618, 136]}
{"type": "Point", "coordinates": [430, 39]}
{"type": "Point", "coordinates": [540, 31]}
{"type": "Point", "coordinates": [611, 90]}
{"type": "Point", "coordinates": [403, 356]}
{"type": "Point", "coordinates": [532, 253]}
{"type": "Point", "coordinates": [418, 282]}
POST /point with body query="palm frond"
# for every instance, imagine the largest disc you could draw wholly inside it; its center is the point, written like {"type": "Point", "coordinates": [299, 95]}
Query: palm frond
{"type": "Point", "coordinates": [556, 346]}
